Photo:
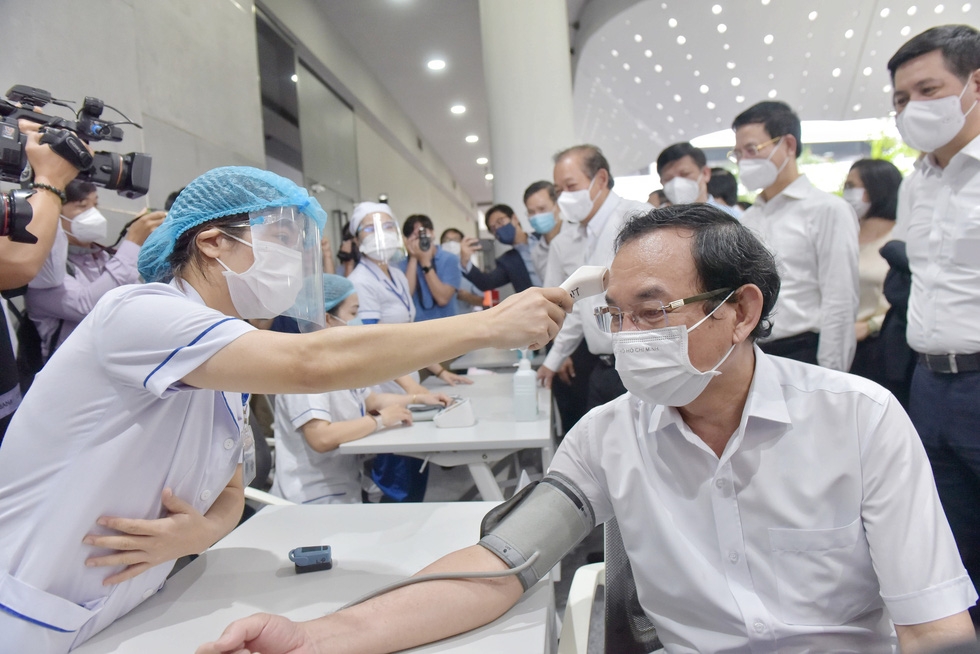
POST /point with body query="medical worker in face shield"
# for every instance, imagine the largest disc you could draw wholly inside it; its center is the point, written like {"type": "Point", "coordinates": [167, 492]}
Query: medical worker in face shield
{"type": "Point", "coordinates": [92, 269]}
{"type": "Point", "coordinates": [132, 447]}
{"type": "Point", "coordinates": [310, 428]}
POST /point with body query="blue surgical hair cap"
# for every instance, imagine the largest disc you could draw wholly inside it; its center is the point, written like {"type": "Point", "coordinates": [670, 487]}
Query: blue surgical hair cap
{"type": "Point", "coordinates": [215, 194]}
{"type": "Point", "coordinates": [336, 289]}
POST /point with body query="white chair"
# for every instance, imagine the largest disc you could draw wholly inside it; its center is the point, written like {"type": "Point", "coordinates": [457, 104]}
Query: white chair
{"type": "Point", "coordinates": [574, 637]}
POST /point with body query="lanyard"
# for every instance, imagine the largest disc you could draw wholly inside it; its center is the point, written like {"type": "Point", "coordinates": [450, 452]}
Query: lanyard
{"type": "Point", "coordinates": [405, 299]}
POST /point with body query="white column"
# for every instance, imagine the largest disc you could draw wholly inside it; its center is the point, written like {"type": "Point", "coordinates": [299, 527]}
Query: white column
{"type": "Point", "coordinates": [527, 66]}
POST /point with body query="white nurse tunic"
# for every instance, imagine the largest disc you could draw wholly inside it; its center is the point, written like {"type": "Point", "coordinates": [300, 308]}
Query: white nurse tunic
{"type": "Point", "coordinates": [105, 428]}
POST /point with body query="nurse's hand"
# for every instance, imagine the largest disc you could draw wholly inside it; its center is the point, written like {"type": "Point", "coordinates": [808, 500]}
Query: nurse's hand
{"type": "Point", "coordinates": [529, 319]}
{"type": "Point", "coordinates": [452, 378]}
{"type": "Point", "coordinates": [143, 544]}
{"type": "Point", "coordinates": [269, 634]}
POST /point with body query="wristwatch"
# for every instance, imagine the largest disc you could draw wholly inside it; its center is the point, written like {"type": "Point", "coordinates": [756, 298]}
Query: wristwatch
{"type": "Point", "coordinates": [426, 269]}
{"type": "Point", "coordinates": [379, 422]}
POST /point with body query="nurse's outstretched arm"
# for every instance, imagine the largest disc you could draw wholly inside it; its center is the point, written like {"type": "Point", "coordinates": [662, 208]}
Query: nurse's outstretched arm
{"type": "Point", "coordinates": [143, 544]}
{"type": "Point", "coordinates": [355, 357]}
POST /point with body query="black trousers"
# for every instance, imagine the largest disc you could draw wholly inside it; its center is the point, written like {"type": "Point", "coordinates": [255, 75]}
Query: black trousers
{"type": "Point", "coordinates": [573, 399]}
{"type": "Point", "coordinates": [802, 347]}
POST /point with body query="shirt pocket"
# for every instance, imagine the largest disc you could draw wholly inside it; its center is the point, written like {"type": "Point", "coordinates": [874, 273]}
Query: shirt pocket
{"type": "Point", "coordinates": [44, 609]}
{"type": "Point", "coordinates": [823, 576]}
{"type": "Point", "coordinates": [966, 241]}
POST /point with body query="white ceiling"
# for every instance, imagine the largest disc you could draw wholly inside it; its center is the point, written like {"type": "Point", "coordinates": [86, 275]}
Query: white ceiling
{"type": "Point", "coordinates": [662, 72]}
{"type": "Point", "coordinates": [828, 67]}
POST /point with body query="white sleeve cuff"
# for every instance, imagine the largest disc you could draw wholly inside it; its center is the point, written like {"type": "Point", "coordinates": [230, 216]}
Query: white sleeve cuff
{"type": "Point", "coordinates": [941, 601]}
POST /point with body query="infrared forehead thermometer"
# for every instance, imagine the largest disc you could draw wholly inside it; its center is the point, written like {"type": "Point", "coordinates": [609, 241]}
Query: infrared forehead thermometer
{"type": "Point", "coordinates": [586, 282]}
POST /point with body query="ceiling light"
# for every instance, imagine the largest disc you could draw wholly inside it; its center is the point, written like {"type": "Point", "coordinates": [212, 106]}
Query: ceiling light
{"type": "Point", "coordinates": [436, 64]}
{"type": "Point", "coordinates": [835, 72]}
{"type": "Point", "coordinates": [812, 15]}
{"type": "Point", "coordinates": [488, 177]}
{"type": "Point", "coordinates": [689, 56]}
{"type": "Point", "coordinates": [710, 105]}
{"type": "Point", "coordinates": [740, 99]}
{"type": "Point", "coordinates": [887, 88]}
{"type": "Point", "coordinates": [658, 68]}
{"type": "Point", "coordinates": [736, 81]}
{"type": "Point", "coordinates": [867, 71]}
{"type": "Point", "coordinates": [857, 107]}
{"type": "Point", "coordinates": [806, 55]}
{"type": "Point", "coordinates": [614, 53]}
{"type": "Point", "coordinates": [704, 88]}
{"type": "Point", "coordinates": [884, 12]}
{"type": "Point", "coordinates": [294, 77]}
{"type": "Point", "coordinates": [660, 106]}
{"type": "Point", "coordinates": [848, 34]}
{"type": "Point", "coordinates": [912, 10]}
{"type": "Point", "coordinates": [765, 2]}
{"type": "Point", "coordinates": [771, 76]}
{"type": "Point", "coordinates": [670, 119]}
{"type": "Point", "coordinates": [672, 22]}
{"type": "Point", "coordinates": [767, 39]}
{"type": "Point", "coordinates": [806, 73]}
{"type": "Point", "coordinates": [939, 9]}
{"type": "Point", "coordinates": [457, 109]}
{"type": "Point", "coordinates": [769, 58]}
{"type": "Point", "coordinates": [648, 53]}
{"type": "Point", "coordinates": [677, 98]}
{"type": "Point", "coordinates": [725, 47]}
{"type": "Point", "coordinates": [697, 73]}
{"type": "Point", "coordinates": [965, 7]}
{"type": "Point", "coordinates": [772, 93]}
{"type": "Point", "coordinates": [681, 40]}
{"type": "Point", "coordinates": [722, 28]}
{"type": "Point", "coordinates": [717, 119]}
{"type": "Point", "coordinates": [637, 80]}
{"type": "Point", "coordinates": [482, 161]}
{"type": "Point", "coordinates": [472, 138]}
{"type": "Point", "coordinates": [626, 66]}
{"type": "Point", "coordinates": [716, 10]}
{"type": "Point", "coordinates": [637, 38]}
{"type": "Point", "coordinates": [731, 65]}
{"type": "Point", "coordinates": [905, 30]}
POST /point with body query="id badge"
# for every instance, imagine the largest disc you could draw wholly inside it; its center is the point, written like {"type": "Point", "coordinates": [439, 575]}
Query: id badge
{"type": "Point", "coordinates": [248, 455]}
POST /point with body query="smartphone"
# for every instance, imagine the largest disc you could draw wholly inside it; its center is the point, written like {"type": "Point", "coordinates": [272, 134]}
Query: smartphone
{"type": "Point", "coordinates": [311, 559]}
{"type": "Point", "coordinates": [425, 241]}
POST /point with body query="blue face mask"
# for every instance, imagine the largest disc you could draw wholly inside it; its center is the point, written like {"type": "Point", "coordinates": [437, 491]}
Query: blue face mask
{"type": "Point", "coordinates": [506, 234]}
{"type": "Point", "coordinates": [543, 223]}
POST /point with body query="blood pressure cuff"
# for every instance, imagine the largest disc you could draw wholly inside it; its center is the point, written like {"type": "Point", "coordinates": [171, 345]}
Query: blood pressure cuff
{"type": "Point", "coordinates": [549, 517]}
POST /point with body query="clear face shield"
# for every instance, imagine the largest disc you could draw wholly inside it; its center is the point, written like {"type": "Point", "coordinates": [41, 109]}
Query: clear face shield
{"type": "Point", "coordinates": [380, 239]}
{"type": "Point", "coordinates": [287, 243]}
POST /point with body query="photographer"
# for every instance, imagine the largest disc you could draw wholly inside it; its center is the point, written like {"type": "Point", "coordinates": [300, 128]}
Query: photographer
{"type": "Point", "coordinates": [433, 274]}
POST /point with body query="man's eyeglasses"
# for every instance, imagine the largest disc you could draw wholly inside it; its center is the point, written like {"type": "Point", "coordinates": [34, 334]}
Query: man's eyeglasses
{"type": "Point", "coordinates": [750, 151]}
{"type": "Point", "coordinates": [649, 315]}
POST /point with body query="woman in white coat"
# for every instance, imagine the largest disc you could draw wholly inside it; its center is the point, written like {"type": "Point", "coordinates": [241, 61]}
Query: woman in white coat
{"type": "Point", "coordinates": [129, 450]}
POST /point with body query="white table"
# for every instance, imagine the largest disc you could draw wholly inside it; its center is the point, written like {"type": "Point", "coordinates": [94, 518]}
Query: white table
{"type": "Point", "coordinates": [373, 545]}
{"type": "Point", "coordinates": [490, 357]}
{"type": "Point", "coordinates": [495, 436]}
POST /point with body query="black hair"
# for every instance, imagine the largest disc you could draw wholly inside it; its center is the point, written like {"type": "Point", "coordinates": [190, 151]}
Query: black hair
{"type": "Point", "coordinates": [501, 208]}
{"type": "Point", "coordinates": [171, 199]}
{"type": "Point", "coordinates": [881, 180]}
{"type": "Point", "coordinates": [722, 184]}
{"type": "Point", "coordinates": [355, 252]}
{"type": "Point", "coordinates": [726, 253]}
{"type": "Point", "coordinates": [419, 218]}
{"type": "Point", "coordinates": [541, 186]}
{"type": "Point", "coordinates": [776, 118]}
{"type": "Point", "coordinates": [959, 44]}
{"type": "Point", "coordinates": [185, 249]}
{"type": "Point", "coordinates": [450, 230]}
{"type": "Point", "coordinates": [678, 151]}
{"type": "Point", "coordinates": [77, 190]}
{"type": "Point", "coordinates": [592, 160]}
{"type": "Point", "coordinates": [744, 205]}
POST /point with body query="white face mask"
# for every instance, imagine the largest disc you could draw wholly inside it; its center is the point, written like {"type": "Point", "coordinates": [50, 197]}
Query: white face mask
{"type": "Point", "coordinates": [272, 283]}
{"type": "Point", "coordinates": [655, 366]}
{"type": "Point", "coordinates": [388, 248]}
{"type": "Point", "coordinates": [760, 173]}
{"type": "Point", "coordinates": [927, 125]}
{"type": "Point", "coordinates": [855, 198]}
{"type": "Point", "coordinates": [88, 226]}
{"type": "Point", "coordinates": [453, 247]}
{"type": "Point", "coordinates": [575, 206]}
{"type": "Point", "coordinates": [682, 190]}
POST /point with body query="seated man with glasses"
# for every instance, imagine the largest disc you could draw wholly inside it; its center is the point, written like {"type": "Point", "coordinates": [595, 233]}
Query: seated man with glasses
{"type": "Point", "coordinates": [764, 504]}
{"type": "Point", "coordinates": [813, 235]}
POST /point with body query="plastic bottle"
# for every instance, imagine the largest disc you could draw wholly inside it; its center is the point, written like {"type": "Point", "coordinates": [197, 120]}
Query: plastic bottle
{"type": "Point", "coordinates": [525, 391]}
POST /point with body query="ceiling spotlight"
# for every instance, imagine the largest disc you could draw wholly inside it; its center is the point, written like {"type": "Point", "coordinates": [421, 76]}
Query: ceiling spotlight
{"type": "Point", "coordinates": [772, 93]}
{"type": "Point", "coordinates": [912, 10]}
{"type": "Point", "coordinates": [857, 107]}
{"type": "Point", "coordinates": [884, 12]}
{"type": "Point", "coordinates": [697, 73]}
{"type": "Point", "coordinates": [681, 40]}
{"type": "Point", "coordinates": [887, 88]}
{"type": "Point", "coordinates": [658, 68]}
{"type": "Point", "coordinates": [626, 66]}
{"type": "Point", "coordinates": [672, 22]}
{"type": "Point", "coordinates": [965, 8]}
{"type": "Point", "coordinates": [835, 72]}
{"type": "Point", "coordinates": [765, 2]}
{"type": "Point", "coordinates": [637, 38]}
{"type": "Point", "coordinates": [939, 9]}
{"type": "Point", "coordinates": [716, 10]}
{"type": "Point", "coordinates": [677, 98]}
{"type": "Point", "coordinates": [648, 53]}
{"type": "Point", "coordinates": [867, 71]}
{"type": "Point", "coordinates": [740, 99]}
{"type": "Point", "coordinates": [722, 28]}
{"type": "Point", "coordinates": [812, 15]}
{"type": "Point", "coordinates": [488, 177]}
{"type": "Point", "coordinates": [848, 34]}
{"type": "Point", "coordinates": [436, 64]}
{"type": "Point", "coordinates": [704, 88]}
{"type": "Point", "coordinates": [294, 77]}
{"type": "Point", "coordinates": [614, 53]}
{"type": "Point", "coordinates": [482, 161]}
{"type": "Point", "coordinates": [457, 109]}
{"type": "Point", "coordinates": [730, 65]}
{"type": "Point", "coordinates": [660, 106]}
{"type": "Point", "coordinates": [725, 47]}
{"type": "Point", "coordinates": [736, 81]}
{"type": "Point", "coordinates": [637, 80]}
{"type": "Point", "coordinates": [767, 39]}
{"type": "Point", "coordinates": [710, 105]}
{"type": "Point", "coordinates": [472, 138]}
{"type": "Point", "coordinates": [689, 56]}
{"type": "Point", "coordinates": [905, 30]}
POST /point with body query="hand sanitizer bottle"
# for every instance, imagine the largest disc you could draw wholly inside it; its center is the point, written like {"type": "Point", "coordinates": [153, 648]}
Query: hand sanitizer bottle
{"type": "Point", "coordinates": [525, 390]}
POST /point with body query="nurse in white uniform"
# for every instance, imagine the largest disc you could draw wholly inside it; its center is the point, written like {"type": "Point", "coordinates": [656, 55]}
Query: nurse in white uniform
{"type": "Point", "coordinates": [310, 428]}
{"type": "Point", "coordinates": [128, 452]}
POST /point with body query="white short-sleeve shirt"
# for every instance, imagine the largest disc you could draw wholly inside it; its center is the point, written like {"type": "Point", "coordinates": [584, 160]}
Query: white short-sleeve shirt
{"type": "Point", "coordinates": [304, 475]}
{"type": "Point", "coordinates": [386, 300]}
{"type": "Point", "coordinates": [818, 526]}
{"type": "Point", "coordinates": [105, 428]}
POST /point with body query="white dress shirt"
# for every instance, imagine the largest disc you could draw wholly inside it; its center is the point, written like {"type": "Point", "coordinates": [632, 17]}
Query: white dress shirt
{"type": "Point", "coordinates": [594, 247]}
{"type": "Point", "coordinates": [539, 255]}
{"type": "Point", "coordinates": [304, 475]}
{"type": "Point", "coordinates": [818, 526]}
{"type": "Point", "coordinates": [814, 237]}
{"type": "Point", "coordinates": [105, 428]}
{"type": "Point", "coordinates": [943, 245]}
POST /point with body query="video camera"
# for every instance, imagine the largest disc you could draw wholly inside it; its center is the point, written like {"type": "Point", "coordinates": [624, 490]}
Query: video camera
{"type": "Point", "coordinates": [127, 174]}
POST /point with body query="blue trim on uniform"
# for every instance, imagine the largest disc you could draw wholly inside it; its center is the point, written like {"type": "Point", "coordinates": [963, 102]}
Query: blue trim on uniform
{"type": "Point", "coordinates": [369, 321]}
{"type": "Point", "coordinates": [293, 419]}
{"type": "Point", "coordinates": [14, 613]}
{"type": "Point", "coordinates": [174, 353]}
{"type": "Point", "coordinates": [342, 494]}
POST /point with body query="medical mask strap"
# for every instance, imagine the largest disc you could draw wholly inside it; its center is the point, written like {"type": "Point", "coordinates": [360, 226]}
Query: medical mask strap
{"type": "Point", "coordinates": [698, 323]}
{"type": "Point", "coordinates": [785, 160]}
{"type": "Point", "coordinates": [233, 237]}
{"type": "Point", "coordinates": [963, 92]}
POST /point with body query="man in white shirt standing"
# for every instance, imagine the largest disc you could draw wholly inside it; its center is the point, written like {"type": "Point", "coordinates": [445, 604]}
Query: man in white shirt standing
{"type": "Point", "coordinates": [765, 505]}
{"type": "Point", "coordinates": [594, 214]}
{"type": "Point", "coordinates": [814, 236]}
{"type": "Point", "coordinates": [937, 87]}
{"type": "Point", "coordinates": [685, 174]}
